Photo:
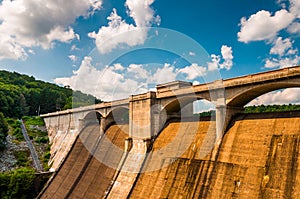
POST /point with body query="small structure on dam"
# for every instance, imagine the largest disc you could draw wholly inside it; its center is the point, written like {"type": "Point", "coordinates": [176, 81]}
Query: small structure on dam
{"type": "Point", "coordinates": [150, 146]}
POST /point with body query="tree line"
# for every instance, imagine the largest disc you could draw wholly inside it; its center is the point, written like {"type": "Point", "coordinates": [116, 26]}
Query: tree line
{"type": "Point", "coordinates": [272, 108]}
{"type": "Point", "coordinates": [24, 95]}
{"type": "Point", "coordinates": [261, 109]}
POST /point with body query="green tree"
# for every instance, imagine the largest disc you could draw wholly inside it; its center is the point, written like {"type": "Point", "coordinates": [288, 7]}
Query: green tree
{"type": "Point", "coordinates": [23, 95]}
{"type": "Point", "coordinates": [3, 131]}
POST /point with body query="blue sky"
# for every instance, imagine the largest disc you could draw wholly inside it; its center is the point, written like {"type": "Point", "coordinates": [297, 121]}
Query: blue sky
{"type": "Point", "coordinates": [129, 46]}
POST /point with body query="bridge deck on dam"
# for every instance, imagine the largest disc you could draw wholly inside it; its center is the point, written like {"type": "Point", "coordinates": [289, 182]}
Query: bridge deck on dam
{"type": "Point", "coordinates": [257, 158]}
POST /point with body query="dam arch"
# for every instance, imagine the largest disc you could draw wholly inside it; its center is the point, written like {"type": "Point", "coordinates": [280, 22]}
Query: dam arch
{"type": "Point", "coordinates": [247, 95]}
{"type": "Point", "coordinates": [181, 106]}
{"type": "Point", "coordinates": [92, 117]}
{"type": "Point", "coordinates": [119, 114]}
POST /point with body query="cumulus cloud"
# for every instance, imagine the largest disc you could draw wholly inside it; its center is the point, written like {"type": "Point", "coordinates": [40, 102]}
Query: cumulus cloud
{"type": "Point", "coordinates": [193, 71]}
{"type": "Point", "coordinates": [117, 81]}
{"type": "Point", "coordinates": [282, 62]}
{"type": "Point", "coordinates": [109, 37]}
{"type": "Point", "coordinates": [283, 54]}
{"type": "Point", "coordinates": [295, 8]}
{"type": "Point", "coordinates": [31, 51]}
{"type": "Point", "coordinates": [74, 47]}
{"type": "Point", "coordinates": [226, 52]}
{"type": "Point", "coordinates": [30, 23]}
{"type": "Point", "coordinates": [264, 26]}
{"type": "Point", "coordinates": [73, 58]}
{"type": "Point", "coordinates": [226, 62]}
{"type": "Point", "coordinates": [203, 106]}
{"type": "Point", "coordinates": [118, 67]}
{"type": "Point", "coordinates": [107, 84]}
{"type": "Point", "coordinates": [116, 32]}
{"type": "Point", "coordinates": [192, 53]}
{"type": "Point", "coordinates": [165, 74]}
{"type": "Point", "coordinates": [294, 28]}
{"type": "Point", "coordinates": [10, 49]}
{"type": "Point", "coordinates": [286, 96]}
{"type": "Point", "coordinates": [138, 71]}
{"type": "Point", "coordinates": [282, 47]}
{"type": "Point", "coordinates": [141, 12]}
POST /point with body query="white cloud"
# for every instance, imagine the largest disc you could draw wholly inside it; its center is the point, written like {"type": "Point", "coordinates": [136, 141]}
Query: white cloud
{"type": "Point", "coordinates": [196, 82]}
{"type": "Point", "coordinates": [215, 62]}
{"type": "Point", "coordinates": [192, 53]}
{"type": "Point", "coordinates": [114, 82]}
{"type": "Point", "coordinates": [141, 12]}
{"type": "Point", "coordinates": [106, 84]}
{"type": "Point", "coordinates": [59, 34]}
{"type": "Point", "coordinates": [116, 33]}
{"type": "Point", "coordinates": [282, 3]}
{"type": "Point", "coordinates": [30, 23]}
{"type": "Point", "coordinates": [73, 58]}
{"type": "Point", "coordinates": [165, 74]}
{"type": "Point", "coordinates": [295, 7]}
{"type": "Point", "coordinates": [227, 58]}
{"type": "Point", "coordinates": [294, 28]}
{"type": "Point", "coordinates": [282, 62]}
{"type": "Point", "coordinates": [203, 106]}
{"type": "Point", "coordinates": [109, 37]}
{"type": "Point", "coordinates": [10, 49]}
{"type": "Point", "coordinates": [193, 71]}
{"type": "Point", "coordinates": [118, 67]}
{"type": "Point", "coordinates": [74, 47]}
{"type": "Point", "coordinates": [263, 26]}
{"type": "Point", "coordinates": [283, 54]}
{"type": "Point", "coordinates": [31, 51]}
{"type": "Point", "coordinates": [282, 47]}
{"type": "Point", "coordinates": [138, 71]}
{"type": "Point", "coordinates": [286, 96]}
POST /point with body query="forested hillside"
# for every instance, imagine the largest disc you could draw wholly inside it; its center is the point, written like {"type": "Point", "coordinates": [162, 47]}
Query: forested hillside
{"type": "Point", "coordinates": [24, 95]}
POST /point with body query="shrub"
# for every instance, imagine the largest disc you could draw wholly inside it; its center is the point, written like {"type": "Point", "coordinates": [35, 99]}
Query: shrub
{"type": "Point", "coordinates": [18, 134]}
{"type": "Point", "coordinates": [34, 121]}
{"type": "Point", "coordinates": [41, 140]}
{"type": "Point", "coordinates": [3, 131]}
{"type": "Point", "coordinates": [21, 183]}
{"type": "Point", "coordinates": [22, 158]}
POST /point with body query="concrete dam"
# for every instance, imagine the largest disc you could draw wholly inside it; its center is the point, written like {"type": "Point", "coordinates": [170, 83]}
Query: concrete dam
{"type": "Point", "coordinates": [164, 152]}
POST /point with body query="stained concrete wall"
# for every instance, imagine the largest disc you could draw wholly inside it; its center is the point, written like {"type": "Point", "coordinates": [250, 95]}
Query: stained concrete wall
{"type": "Point", "coordinates": [258, 158]}
{"type": "Point", "coordinates": [62, 132]}
{"type": "Point", "coordinates": [83, 174]}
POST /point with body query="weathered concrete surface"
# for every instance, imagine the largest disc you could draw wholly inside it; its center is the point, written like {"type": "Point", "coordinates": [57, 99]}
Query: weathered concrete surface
{"type": "Point", "coordinates": [63, 126]}
{"type": "Point", "coordinates": [82, 175]}
{"type": "Point", "coordinates": [129, 171]}
{"type": "Point", "coordinates": [258, 158]}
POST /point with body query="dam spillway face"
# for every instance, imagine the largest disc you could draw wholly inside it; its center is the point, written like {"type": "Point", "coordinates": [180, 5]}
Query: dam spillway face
{"type": "Point", "coordinates": [258, 157]}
